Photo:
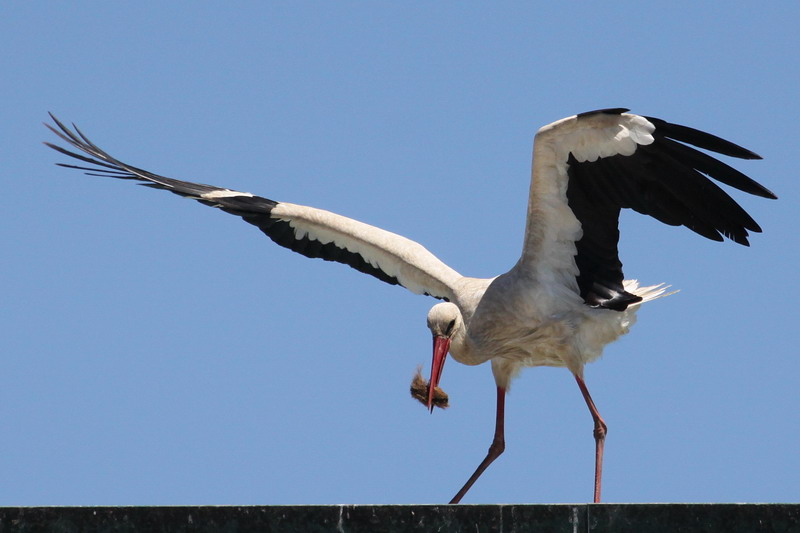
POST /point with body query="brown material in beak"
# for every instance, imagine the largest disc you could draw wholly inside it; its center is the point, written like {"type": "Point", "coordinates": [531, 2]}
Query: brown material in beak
{"type": "Point", "coordinates": [441, 345]}
{"type": "Point", "coordinates": [419, 391]}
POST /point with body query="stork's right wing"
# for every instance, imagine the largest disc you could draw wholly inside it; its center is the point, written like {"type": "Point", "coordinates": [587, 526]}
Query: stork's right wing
{"type": "Point", "coordinates": [308, 231]}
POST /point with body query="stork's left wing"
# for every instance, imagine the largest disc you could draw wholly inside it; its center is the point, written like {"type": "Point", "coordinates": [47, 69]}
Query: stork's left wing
{"type": "Point", "coordinates": [306, 230]}
{"type": "Point", "coordinates": [602, 161]}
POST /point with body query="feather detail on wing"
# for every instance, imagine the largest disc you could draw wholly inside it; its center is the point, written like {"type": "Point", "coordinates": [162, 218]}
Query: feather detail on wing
{"type": "Point", "coordinates": [306, 230]}
{"type": "Point", "coordinates": [588, 167]}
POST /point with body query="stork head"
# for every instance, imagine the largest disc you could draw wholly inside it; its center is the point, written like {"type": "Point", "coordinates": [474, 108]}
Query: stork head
{"type": "Point", "coordinates": [444, 320]}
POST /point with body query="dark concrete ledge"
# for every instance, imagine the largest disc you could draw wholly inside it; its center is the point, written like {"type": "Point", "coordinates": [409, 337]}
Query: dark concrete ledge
{"type": "Point", "coordinates": [728, 518]}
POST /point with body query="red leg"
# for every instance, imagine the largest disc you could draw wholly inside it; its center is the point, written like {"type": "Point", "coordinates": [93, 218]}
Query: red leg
{"type": "Point", "coordinates": [495, 449]}
{"type": "Point", "coordinates": [600, 430]}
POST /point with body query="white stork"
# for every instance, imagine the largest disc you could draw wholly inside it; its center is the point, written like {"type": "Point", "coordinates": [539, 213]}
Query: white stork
{"type": "Point", "coordinates": [565, 298]}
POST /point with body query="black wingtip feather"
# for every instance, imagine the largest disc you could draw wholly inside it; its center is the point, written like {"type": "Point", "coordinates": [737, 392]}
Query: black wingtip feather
{"type": "Point", "coordinates": [701, 139]}
{"type": "Point", "coordinates": [715, 168]}
{"type": "Point", "coordinates": [607, 111]}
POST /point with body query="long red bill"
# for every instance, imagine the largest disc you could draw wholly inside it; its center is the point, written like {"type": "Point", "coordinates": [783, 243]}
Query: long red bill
{"type": "Point", "coordinates": [440, 347]}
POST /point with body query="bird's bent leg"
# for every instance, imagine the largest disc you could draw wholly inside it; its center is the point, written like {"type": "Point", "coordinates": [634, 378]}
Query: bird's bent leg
{"type": "Point", "coordinates": [497, 447]}
{"type": "Point", "coordinates": [600, 430]}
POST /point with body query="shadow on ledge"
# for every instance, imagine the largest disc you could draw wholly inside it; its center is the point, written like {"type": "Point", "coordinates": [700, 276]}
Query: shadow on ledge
{"type": "Point", "coordinates": [728, 518]}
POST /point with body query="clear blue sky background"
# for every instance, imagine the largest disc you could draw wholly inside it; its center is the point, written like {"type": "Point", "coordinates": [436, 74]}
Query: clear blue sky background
{"type": "Point", "coordinates": [155, 351]}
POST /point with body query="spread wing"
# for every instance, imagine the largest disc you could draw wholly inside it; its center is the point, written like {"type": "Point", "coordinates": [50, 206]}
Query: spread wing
{"type": "Point", "coordinates": [306, 230]}
{"type": "Point", "coordinates": [590, 166]}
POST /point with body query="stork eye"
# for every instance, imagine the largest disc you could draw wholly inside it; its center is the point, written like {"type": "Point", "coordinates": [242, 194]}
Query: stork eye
{"type": "Point", "coordinates": [450, 327]}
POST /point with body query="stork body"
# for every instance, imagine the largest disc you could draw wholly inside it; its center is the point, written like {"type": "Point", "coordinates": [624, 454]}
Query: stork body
{"type": "Point", "coordinates": [565, 299]}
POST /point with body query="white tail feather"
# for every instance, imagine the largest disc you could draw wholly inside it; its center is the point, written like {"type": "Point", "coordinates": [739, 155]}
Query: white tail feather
{"type": "Point", "coordinates": [651, 292]}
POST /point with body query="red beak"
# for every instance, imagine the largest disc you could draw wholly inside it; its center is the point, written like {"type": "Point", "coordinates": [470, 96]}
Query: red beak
{"type": "Point", "coordinates": [440, 347]}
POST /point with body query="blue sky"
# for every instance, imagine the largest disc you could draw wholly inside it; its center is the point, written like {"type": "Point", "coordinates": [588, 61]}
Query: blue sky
{"type": "Point", "coordinates": [160, 352]}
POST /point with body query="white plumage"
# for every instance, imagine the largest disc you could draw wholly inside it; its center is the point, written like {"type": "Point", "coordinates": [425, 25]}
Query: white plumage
{"type": "Point", "coordinates": [565, 299]}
